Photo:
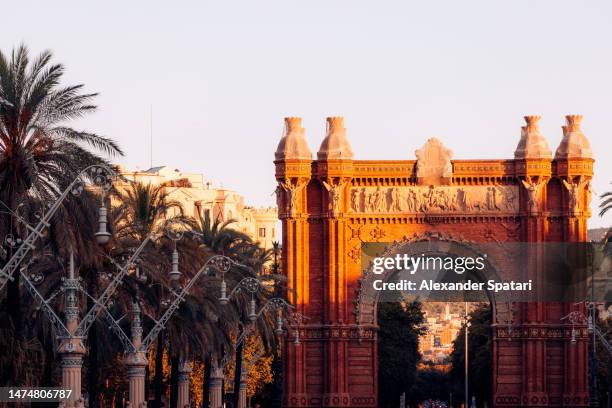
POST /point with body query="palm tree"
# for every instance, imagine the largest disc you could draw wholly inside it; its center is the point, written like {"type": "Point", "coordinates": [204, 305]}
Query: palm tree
{"type": "Point", "coordinates": [143, 208]}
{"type": "Point", "coordinates": [74, 231]}
{"type": "Point", "coordinates": [606, 204]}
{"type": "Point", "coordinates": [219, 237]}
{"type": "Point", "coordinates": [39, 153]}
{"type": "Point", "coordinates": [200, 322]}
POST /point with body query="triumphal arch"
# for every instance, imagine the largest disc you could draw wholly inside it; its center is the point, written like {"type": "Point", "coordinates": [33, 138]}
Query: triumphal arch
{"type": "Point", "coordinates": [332, 204]}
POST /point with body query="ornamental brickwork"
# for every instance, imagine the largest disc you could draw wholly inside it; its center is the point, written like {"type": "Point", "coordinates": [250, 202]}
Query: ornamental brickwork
{"type": "Point", "coordinates": [332, 205]}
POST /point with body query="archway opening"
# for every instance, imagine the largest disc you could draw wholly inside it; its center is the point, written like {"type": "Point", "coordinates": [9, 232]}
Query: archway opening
{"type": "Point", "coordinates": [421, 331]}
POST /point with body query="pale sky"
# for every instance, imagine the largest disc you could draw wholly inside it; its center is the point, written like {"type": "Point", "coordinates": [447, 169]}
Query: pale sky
{"type": "Point", "coordinates": [222, 75]}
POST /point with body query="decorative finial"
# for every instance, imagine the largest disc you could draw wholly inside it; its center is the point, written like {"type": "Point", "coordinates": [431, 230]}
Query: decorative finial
{"type": "Point", "coordinates": [532, 144]}
{"type": "Point", "coordinates": [336, 144]}
{"type": "Point", "coordinates": [335, 124]}
{"type": "Point", "coordinates": [532, 122]}
{"type": "Point", "coordinates": [293, 145]}
{"type": "Point", "coordinates": [292, 124]}
{"type": "Point", "coordinates": [574, 144]}
{"type": "Point", "coordinates": [434, 165]}
{"type": "Point", "coordinates": [573, 123]}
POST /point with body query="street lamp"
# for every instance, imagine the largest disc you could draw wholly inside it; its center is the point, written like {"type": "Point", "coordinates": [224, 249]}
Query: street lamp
{"type": "Point", "coordinates": [136, 347]}
{"type": "Point", "coordinates": [102, 236]}
{"type": "Point", "coordinates": [100, 176]}
{"type": "Point", "coordinates": [250, 284]}
{"type": "Point", "coordinates": [577, 317]}
{"type": "Point", "coordinates": [466, 335]}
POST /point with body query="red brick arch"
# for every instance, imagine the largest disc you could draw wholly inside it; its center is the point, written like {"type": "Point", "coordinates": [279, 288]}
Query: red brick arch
{"type": "Point", "coordinates": [330, 206]}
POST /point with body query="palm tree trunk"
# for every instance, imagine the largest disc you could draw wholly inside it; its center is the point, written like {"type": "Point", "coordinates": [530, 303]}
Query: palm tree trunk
{"type": "Point", "coordinates": [49, 363]}
{"type": "Point", "coordinates": [237, 373]}
{"type": "Point", "coordinates": [223, 392]}
{"type": "Point", "coordinates": [206, 382]}
{"type": "Point", "coordinates": [277, 372]}
{"type": "Point", "coordinates": [147, 383]}
{"type": "Point", "coordinates": [174, 372]}
{"type": "Point", "coordinates": [158, 382]}
{"type": "Point", "coordinates": [93, 368]}
{"type": "Point", "coordinates": [13, 301]}
{"type": "Point", "coordinates": [13, 296]}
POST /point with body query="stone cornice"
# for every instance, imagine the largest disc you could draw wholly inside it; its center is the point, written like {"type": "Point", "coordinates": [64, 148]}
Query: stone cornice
{"type": "Point", "coordinates": [572, 167]}
{"type": "Point", "coordinates": [293, 168]}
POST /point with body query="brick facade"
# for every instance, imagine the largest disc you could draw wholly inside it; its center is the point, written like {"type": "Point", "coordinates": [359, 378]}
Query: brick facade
{"type": "Point", "coordinates": [336, 363]}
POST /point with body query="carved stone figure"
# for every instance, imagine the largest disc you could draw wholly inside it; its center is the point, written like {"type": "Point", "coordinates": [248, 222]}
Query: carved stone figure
{"type": "Point", "coordinates": [463, 200]}
{"type": "Point", "coordinates": [492, 203]}
{"type": "Point", "coordinates": [509, 198]}
{"type": "Point", "coordinates": [411, 201]}
{"type": "Point", "coordinates": [355, 200]}
{"type": "Point", "coordinates": [588, 192]}
{"type": "Point", "coordinates": [378, 200]}
{"type": "Point", "coordinates": [292, 192]}
{"type": "Point", "coordinates": [396, 201]}
{"type": "Point", "coordinates": [574, 190]}
{"type": "Point", "coordinates": [418, 201]}
{"type": "Point", "coordinates": [334, 196]}
{"type": "Point", "coordinates": [433, 199]}
{"type": "Point", "coordinates": [279, 198]}
{"type": "Point", "coordinates": [369, 201]}
{"type": "Point", "coordinates": [533, 190]}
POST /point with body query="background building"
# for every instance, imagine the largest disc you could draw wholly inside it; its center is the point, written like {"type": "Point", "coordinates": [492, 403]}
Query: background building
{"type": "Point", "coordinates": [199, 198]}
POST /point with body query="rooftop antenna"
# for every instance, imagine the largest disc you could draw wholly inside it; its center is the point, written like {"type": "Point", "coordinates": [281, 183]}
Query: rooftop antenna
{"type": "Point", "coordinates": [151, 136]}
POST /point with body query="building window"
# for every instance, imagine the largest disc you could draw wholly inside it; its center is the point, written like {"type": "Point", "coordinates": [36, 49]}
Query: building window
{"type": "Point", "coordinates": [262, 233]}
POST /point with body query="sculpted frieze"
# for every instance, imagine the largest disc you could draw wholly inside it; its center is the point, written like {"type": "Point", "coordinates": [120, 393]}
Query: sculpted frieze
{"type": "Point", "coordinates": [435, 199]}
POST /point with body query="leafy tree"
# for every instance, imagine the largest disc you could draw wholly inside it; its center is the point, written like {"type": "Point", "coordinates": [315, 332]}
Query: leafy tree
{"type": "Point", "coordinates": [259, 365]}
{"type": "Point", "coordinates": [398, 355]}
{"type": "Point", "coordinates": [480, 366]}
{"type": "Point", "coordinates": [430, 384]}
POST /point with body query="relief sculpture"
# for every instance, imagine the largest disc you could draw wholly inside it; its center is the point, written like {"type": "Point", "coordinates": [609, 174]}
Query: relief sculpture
{"type": "Point", "coordinates": [451, 199]}
{"type": "Point", "coordinates": [335, 191]}
{"type": "Point", "coordinates": [533, 193]}
{"type": "Point", "coordinates": [287, 196]}
{"type": "Point", "coordinates": [575, 190]}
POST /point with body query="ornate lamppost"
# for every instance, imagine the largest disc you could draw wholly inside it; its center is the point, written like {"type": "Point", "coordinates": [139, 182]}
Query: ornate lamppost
{"type": "Point", "coordinates": [99, 176]}
{"type": "Point", "coordinates": [73, 332]}
{"type": "Point", "coordinates": [578, 318]}
{"type": "Point", "coordinates": [71, 347]}
{"type": "Point", "coordinates": [137, 349]}
{"type": "Point", "coordinates": [279, 307]}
